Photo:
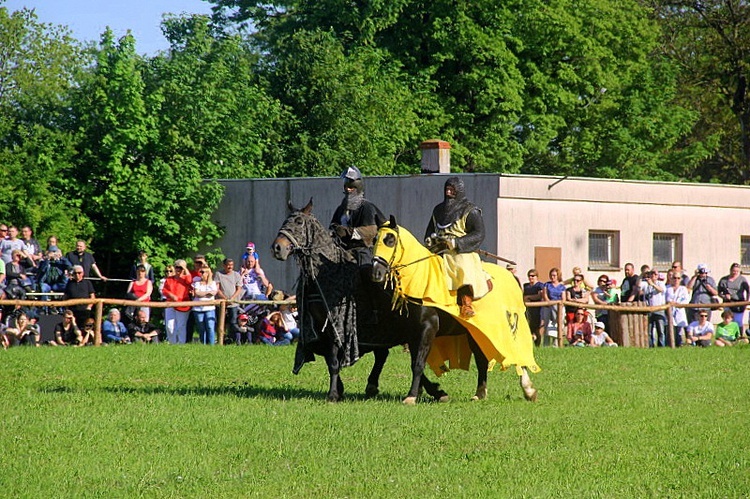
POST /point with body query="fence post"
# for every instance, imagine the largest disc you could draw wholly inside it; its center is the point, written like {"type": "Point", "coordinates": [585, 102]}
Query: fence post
{"type": "Point", "coordinates": [560, 324]}
{"type": "Point", "coordinates": [670, 325]}
{"type": "Point", "coordinates": [98, 324]}
{"type": "Point", "coordinates": [222, 320]}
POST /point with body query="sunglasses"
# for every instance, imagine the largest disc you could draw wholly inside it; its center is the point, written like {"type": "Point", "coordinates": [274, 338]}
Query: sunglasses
{"type": "Point", "coordinates": [704, 315]}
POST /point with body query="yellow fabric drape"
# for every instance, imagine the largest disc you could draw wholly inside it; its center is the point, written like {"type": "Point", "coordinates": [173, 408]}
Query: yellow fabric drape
{"type": "Point", "coordinates": [499, 326]}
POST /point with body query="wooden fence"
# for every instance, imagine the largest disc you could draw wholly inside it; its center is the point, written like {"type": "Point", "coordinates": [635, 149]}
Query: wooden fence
{"type": "Point", "coordinates": [630, 327]}
{"type": "Point", "coordinates": [630, 324]}
{"type": "Point", "coordinates": [99, 304]}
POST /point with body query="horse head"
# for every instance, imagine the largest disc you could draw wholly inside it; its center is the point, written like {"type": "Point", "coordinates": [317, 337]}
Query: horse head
{"type": "Point", "coordinates": [294, 234]}
{"type": "Point", "coordinates": [385, 250]}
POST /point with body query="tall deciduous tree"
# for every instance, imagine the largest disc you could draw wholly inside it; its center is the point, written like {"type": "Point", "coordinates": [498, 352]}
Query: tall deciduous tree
{"type": "Point", "coordinates": [38, 64]}
{"type": "Point", "coordinates": [710, 41]}
{"type": "Point", "coordinates": [527, 86]}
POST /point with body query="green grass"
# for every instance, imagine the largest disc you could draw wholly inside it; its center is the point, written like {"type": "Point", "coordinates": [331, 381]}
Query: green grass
{"type": "Point", "coordinates": [165, 421]}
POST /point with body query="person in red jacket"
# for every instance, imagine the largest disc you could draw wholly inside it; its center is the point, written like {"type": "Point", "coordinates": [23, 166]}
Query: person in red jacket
{"type": "Point", "coordinates": [177, 289]}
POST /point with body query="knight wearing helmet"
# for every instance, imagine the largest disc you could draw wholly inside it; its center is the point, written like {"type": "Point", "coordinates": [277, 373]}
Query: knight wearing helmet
{"type": "Point", "coordinates": [355, 221]}
{"type": "Point", "coordinates": [456, 230]}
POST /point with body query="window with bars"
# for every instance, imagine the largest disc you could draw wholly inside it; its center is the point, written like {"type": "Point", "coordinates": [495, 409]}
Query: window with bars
{"type": "Point", "coordinates": [667, 249]}
{"type": "Point", "coordinates": [604, 249]}
{"type": "Point", "coordinates": [745, 252]}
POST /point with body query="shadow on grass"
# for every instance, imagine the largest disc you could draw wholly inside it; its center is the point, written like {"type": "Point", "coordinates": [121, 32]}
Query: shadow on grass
{"type": "Point", "coordinates": [241, 390]}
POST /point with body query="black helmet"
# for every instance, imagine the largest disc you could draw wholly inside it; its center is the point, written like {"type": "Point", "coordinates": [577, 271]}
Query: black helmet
{"type": "Point", "coordinates": [353, 178]}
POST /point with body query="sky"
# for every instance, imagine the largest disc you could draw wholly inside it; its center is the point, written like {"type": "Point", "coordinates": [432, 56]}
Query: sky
{"type": "Point", "coordinates": [87, 19]}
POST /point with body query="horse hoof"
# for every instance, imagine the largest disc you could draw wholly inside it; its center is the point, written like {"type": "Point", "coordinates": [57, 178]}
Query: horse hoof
{"type": "Point", "coordinates": [443, 399]}
{"type": "Point", "coordinates": [371, 391]}
{"type": "Point", "coordinates": [530, 395]}
{"type": "Point", "coordinates": [410, 401]}
{"type": "Point", "coordinates": [480, 395]}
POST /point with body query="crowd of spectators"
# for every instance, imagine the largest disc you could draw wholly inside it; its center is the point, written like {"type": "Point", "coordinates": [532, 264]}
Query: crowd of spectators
{"type": "Point", "coordinates": [692, 326]}
{"type": "Point", "coordinates": [28, 272]}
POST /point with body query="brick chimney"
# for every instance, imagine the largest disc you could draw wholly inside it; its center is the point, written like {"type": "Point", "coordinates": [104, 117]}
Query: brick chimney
{"type": "Point", "coordinates": [436, 156]}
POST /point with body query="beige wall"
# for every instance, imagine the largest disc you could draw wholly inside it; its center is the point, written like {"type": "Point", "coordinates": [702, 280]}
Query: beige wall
{"type": "Point", "coordinates": [711, 219]}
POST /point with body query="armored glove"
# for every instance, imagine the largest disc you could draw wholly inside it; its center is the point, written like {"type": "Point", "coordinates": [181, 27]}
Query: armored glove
{"type": "Point", "coordinates": [343, 231]}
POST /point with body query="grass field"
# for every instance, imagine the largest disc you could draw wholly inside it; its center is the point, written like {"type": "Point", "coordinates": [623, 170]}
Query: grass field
{"type": "Point", "coordinates": [164, 421]}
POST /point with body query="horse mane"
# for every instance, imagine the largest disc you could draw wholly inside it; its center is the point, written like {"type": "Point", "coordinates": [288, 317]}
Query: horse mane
{"type": "Point", "coordinates": [322, 247]}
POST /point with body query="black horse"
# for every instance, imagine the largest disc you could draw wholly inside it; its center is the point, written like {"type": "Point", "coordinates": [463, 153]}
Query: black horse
{"type": "Point", "coordinates": [330, 291]}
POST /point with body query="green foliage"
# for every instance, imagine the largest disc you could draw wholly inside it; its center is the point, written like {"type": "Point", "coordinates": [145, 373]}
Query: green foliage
{"type": "Point", "coordinates": [37, 65]}
{"type": "Point", "coordinates": [194, 421]}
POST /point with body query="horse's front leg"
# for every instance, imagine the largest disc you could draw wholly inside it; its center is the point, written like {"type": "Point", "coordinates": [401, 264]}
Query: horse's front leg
{"type": "Point", "coordinates": [373, 381]}
{"type": "Point", "coordinates": [419, 347]}
{"type": "Point", "coordinates": [482, 367]}
{"type": "Point", "coordinates": [336, 387]}
{"type": "Point", "coordinates": [529, 392]}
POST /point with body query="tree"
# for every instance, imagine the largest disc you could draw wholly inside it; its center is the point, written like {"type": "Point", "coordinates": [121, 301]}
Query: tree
{"type": "Point", "coordinates": [38, 65]}
{"type": "Point", "coordinates": [710, 42]}
{"type": "Point", "coordinates": [543, 87]}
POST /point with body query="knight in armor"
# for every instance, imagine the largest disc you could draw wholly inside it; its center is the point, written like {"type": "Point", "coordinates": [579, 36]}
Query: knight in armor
{"type": "Point", "coordinates": [456, 230]}
{"type": "Point", "coordinates": [355, 221]}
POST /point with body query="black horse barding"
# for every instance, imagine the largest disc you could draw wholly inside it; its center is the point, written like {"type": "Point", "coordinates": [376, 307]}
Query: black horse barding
{"type": "Point", "coordinates": [329, 292]}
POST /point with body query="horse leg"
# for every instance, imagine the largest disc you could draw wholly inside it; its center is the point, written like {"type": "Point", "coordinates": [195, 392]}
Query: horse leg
{"type": "Point", "coordinates": [373, 381]}
{"type": "Point", "coordinates": [529, 392]}
{"type": "Point", "coordinates": [482, 367]}
{"type": "Point", "coordinates": [419, 348]}
{"type": "Point", "coordinates": [433, 390]}
{"type": "Point", "coordinates": [336, 387]}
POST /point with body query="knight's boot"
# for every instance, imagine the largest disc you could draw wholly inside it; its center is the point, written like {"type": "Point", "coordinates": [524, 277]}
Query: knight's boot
{"type": "Point", "coordinates": [467, 311]}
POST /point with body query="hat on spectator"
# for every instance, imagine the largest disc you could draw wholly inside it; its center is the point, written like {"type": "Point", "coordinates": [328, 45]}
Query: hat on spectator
{"type": "Point", "coordinates": [251, 245]}
{"type": "Point", "coordinates": [242, 317]}
{"type": "Point", "coordinates": [599, 325]}
{"type": "Point", "coordinates": [53, 248]}
{"type": "Point", "coordinates": [702, 267]}
{"type": "Point", "coordinates": [613, 282]}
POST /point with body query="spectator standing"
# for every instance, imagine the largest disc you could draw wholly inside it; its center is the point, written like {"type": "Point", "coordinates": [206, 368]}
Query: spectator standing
{"type": "Point", "coordinates": [630, 290]}
{"type": "Point", "coordinates": [577, 271]}
{"type": "Point", "coordinates": [11, 244]}
{"type": "Point", "coordinates": [600, 296]}
{"type": "Point", "coordinates": [230, 288]}
{"type": "Point", "coordinates": [113, 330]}
{"type": "Point", "coordinates": [678, 270]}
{"type": "Point", "coordinates": [676, 293]}
{"type": "Point", "coordinates": [703, 288]}
{"type": "Point", "coordinates": [143, 261]}
{"type": "Point", "coordinates": [142, 330]}
{"type": "Point", "coordinates": [205, 289]}
{"type": "Point", "coordinates": [250, 250]}
{"type": "Point", "coordinates": [532, 292]}
{"type": "Point", "coordinates": [177, 289]}
{"type": "Point", "coordinates": [576, 293]}
{"type": "Point", "coordinates": [256, 285]}
{"type": "Point", "coordinates": [734, 288]}
{"type": "Point", "coordinates": [79, 288]}
{"type": "Point", "coordinates": [700, 331]}
{"type": "Point", "coordinates": [199, 261]}
{"type": "Point", "coordinates": [654, 295]}
{"type": "Point", "coordinates": [168, 271]}
{"type": "Point", "coordinates": [140, 290]}
{"type": "Point", "coordinates": [85, 259]}
{"type": "Point", "coordinates": [553, 290]}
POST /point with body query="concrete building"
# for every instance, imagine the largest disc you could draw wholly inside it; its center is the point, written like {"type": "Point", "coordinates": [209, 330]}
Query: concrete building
{"type": "Point", "coordinates": [537, 221]}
